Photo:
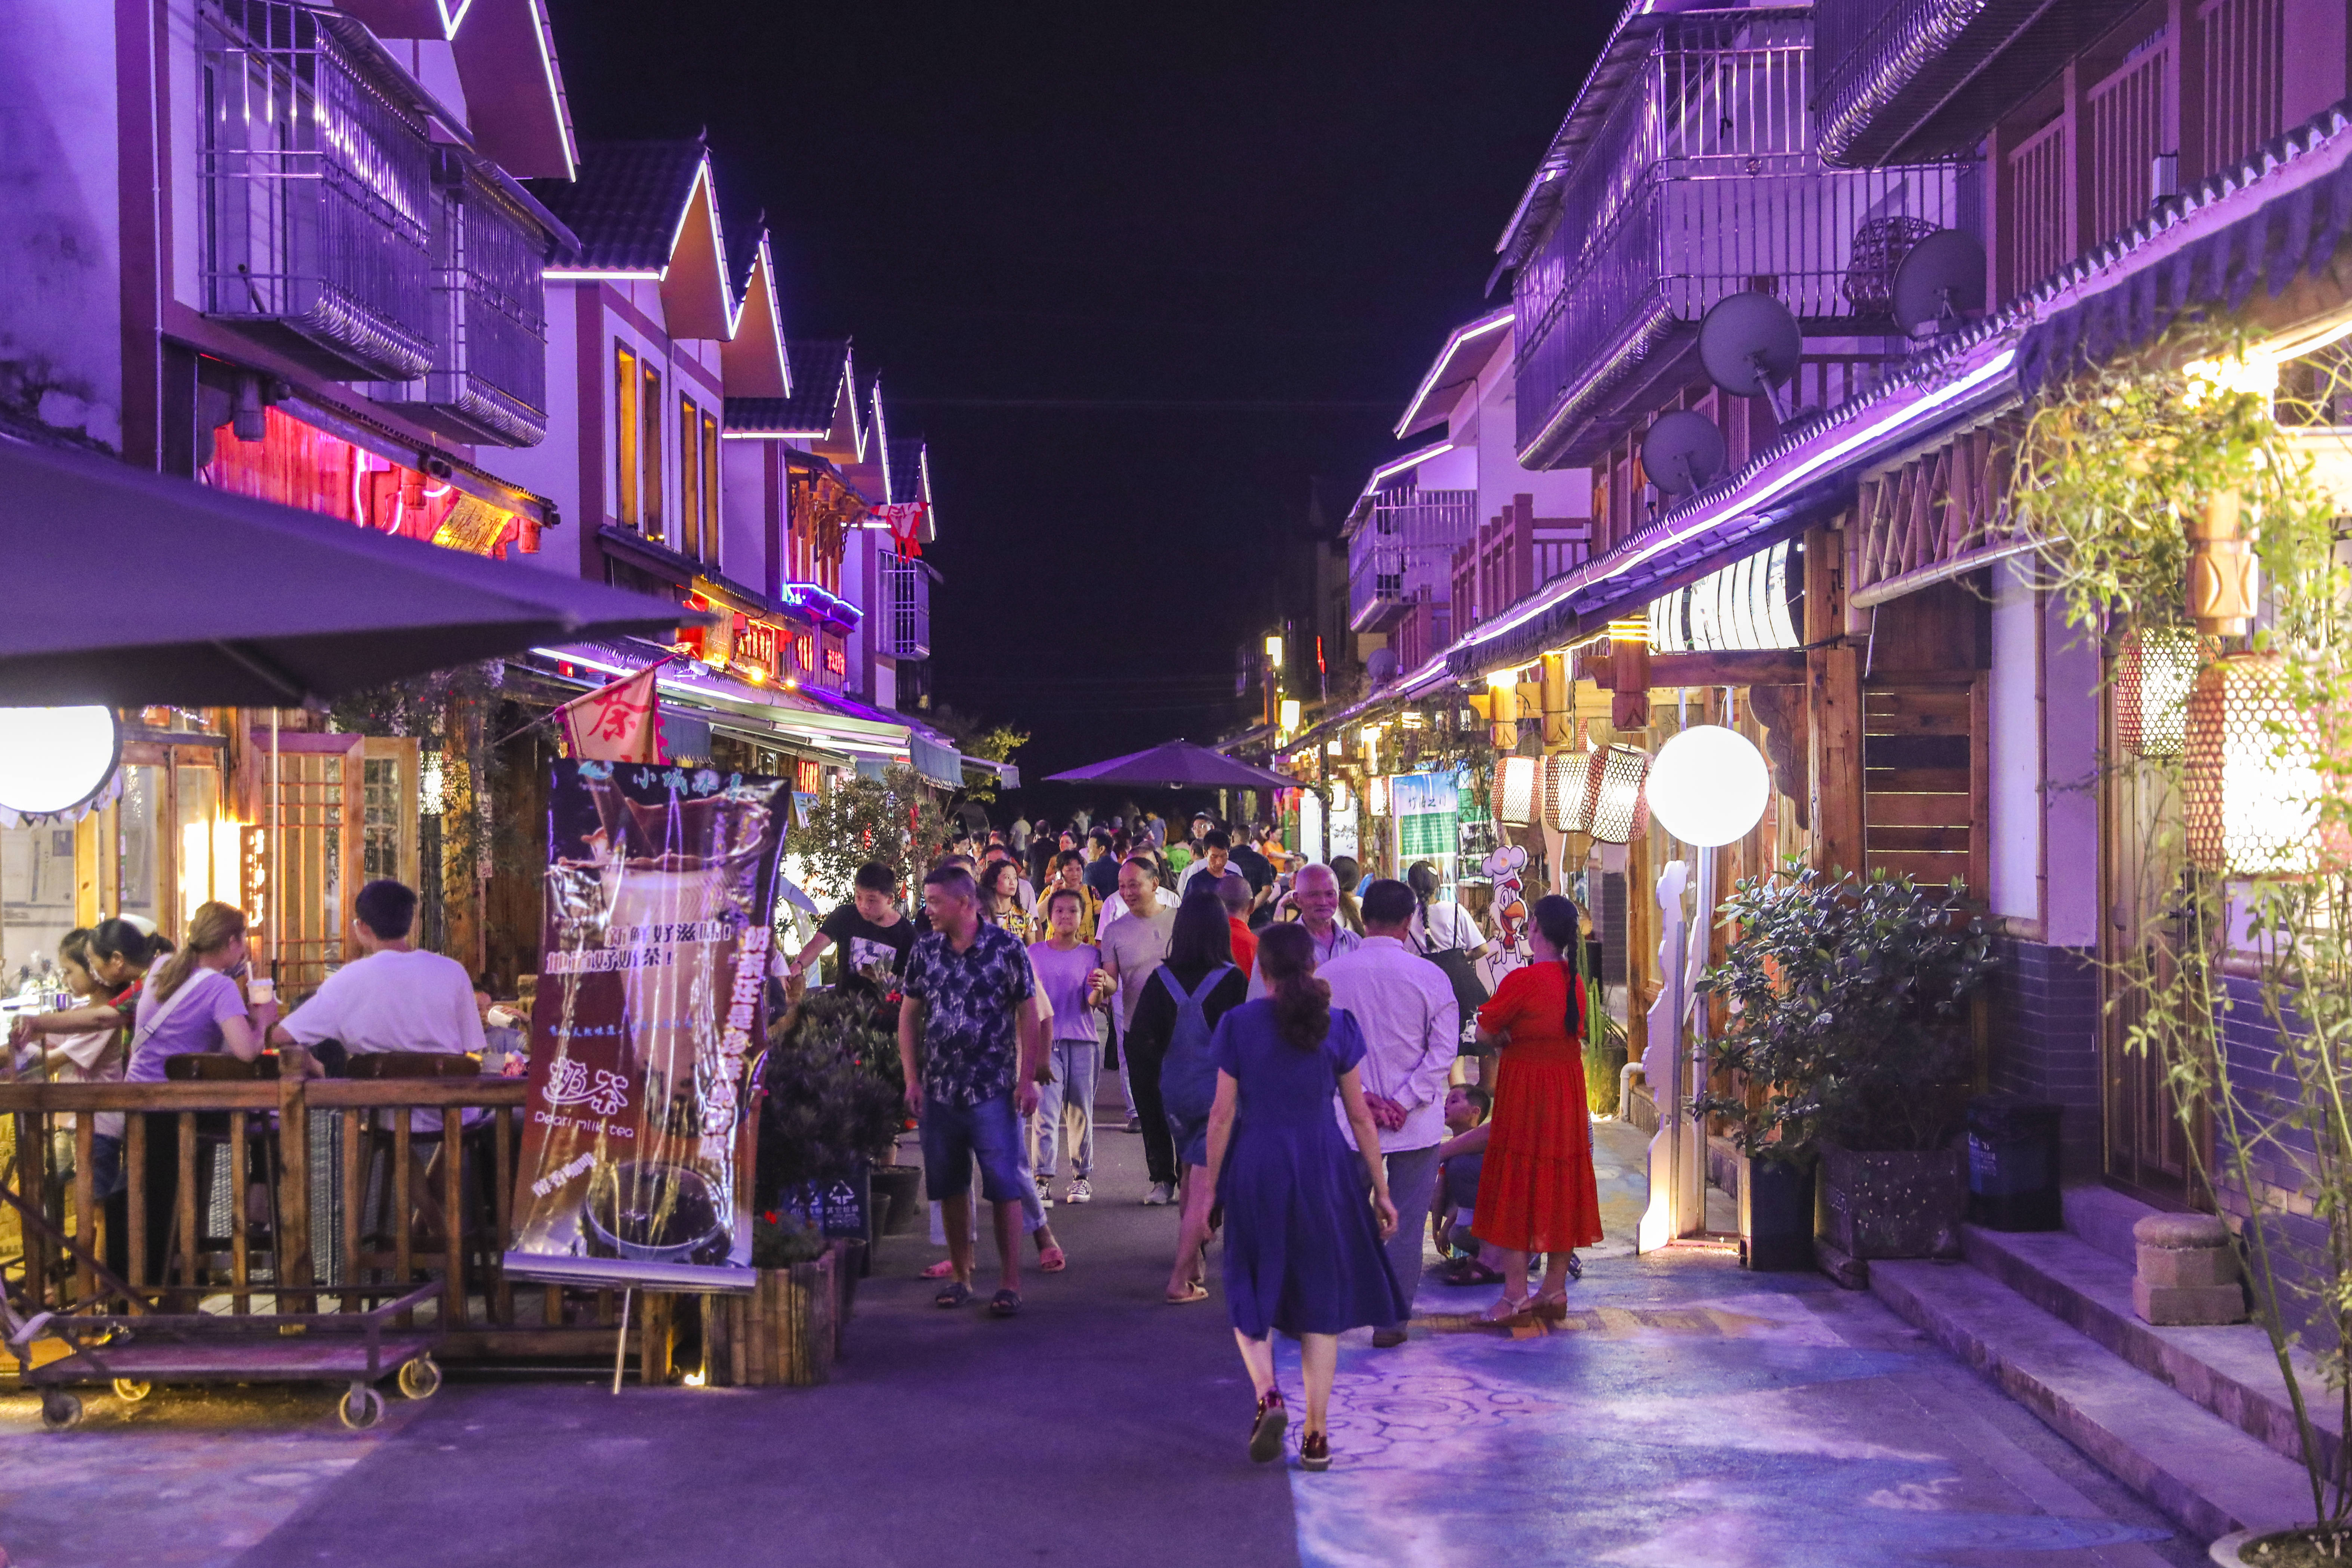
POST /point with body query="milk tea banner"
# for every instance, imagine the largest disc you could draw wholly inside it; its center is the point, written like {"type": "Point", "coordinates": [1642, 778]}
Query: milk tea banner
{"type": "Point", "coordinates": [654, 952]}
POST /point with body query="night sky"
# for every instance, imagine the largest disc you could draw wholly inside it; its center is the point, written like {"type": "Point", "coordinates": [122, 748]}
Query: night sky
{"type": "Point", "coordinates": [1139, 276]}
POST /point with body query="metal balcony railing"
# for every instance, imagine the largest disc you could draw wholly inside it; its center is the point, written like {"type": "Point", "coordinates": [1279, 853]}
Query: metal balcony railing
{"type": "Point", "coordinates": [1701, 182]}
{"type": "Point", "coordinates": [906, 608]}
{"type": "Point", "coordinates": [488, 381]}
{"type": "Point", "coordinates": [316, 193]}
{"type": "Point", "coordinates": [1405, 552]}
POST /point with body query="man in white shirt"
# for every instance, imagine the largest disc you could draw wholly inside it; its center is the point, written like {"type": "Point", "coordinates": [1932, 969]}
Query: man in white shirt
{"type": "Point", "coordinates": [392, 997]}
{"type": "Point", "coordinates": [1314, 893]}
{"type": "Point", "coordinates": [1412, 1031]}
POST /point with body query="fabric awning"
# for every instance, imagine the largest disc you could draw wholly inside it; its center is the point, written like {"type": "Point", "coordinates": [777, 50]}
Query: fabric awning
{"type": "Point", "coordinates": [939, 764]}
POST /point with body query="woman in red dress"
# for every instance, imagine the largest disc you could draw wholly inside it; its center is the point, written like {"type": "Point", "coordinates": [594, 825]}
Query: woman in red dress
{"type": "Point", "coordinates": [1535, 1192]}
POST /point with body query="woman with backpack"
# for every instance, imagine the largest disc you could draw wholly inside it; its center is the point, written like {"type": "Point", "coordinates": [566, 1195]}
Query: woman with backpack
{"type": "Point", "coordinates": [1174, 1019]}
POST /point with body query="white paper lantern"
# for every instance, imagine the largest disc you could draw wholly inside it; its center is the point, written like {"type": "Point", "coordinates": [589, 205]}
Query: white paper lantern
{"type": "Point", "coordinates": [1709, 786]}
{"type": "Point", "coordinates": [55, 760]}
{"type": "Point", "coordinates": [1517, 781]}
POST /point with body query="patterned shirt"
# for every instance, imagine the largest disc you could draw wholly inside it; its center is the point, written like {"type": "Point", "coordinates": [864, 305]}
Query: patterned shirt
{"type": "Point", "coordinates": [971, 1047]}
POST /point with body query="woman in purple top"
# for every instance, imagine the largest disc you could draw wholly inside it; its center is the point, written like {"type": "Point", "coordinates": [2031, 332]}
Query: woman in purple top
{"type": "Point", "coordinates": [1303, 1246]}
{"type": "Point", "coordinates": [1066, 1079]}
{"type": "Point", "coordinates": [194, 1003]}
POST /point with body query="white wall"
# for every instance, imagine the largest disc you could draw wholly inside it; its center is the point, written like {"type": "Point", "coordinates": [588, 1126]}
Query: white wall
{"type": "Point", "coordinates": [60, 235]}
{"type": "Point", "coordinates": [1487, 421]}
{"type": "Point", "coordinates": [2070, 747]}
{"type": "Point", "coordinates": [552, 468]}
{"type": "Point", "coordinates": [2015, 815]}
{"type": "Point", "coordinates": [743, 522]}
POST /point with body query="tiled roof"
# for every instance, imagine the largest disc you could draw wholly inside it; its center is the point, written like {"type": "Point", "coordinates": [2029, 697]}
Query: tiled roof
{"type": "Point", "coordinates": [626, 203]}
{"type": "Point", "coordinates": [906, 460]}
{"type": "Point", "coordinates": [817, 365]}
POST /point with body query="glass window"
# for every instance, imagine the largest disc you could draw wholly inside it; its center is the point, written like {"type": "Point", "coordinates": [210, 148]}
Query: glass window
{"type": "Point", "coordinates": [625, 435]}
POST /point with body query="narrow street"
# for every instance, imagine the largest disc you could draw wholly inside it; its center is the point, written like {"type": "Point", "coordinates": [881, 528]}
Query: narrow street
{"type": "Point", "coordinates": [1688, 1413]}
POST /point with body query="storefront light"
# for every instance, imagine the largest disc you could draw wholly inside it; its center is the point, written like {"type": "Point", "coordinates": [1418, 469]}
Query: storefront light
{"type": "Point", "coordinates": [1376, 795]}
{"type": "Point", "coordinates": [1709, 786]}
{"type": "Point", "coordinates": [1517, 782]}
{"type": "Point", "coordinates": [2253, 787]}
{"type": "Point", "coordinates": [1620, 809]}
{"type": "Point", "coordinates": [54, 759]}
{"type": "Point", "coordinates": [2155, 670]}
{"type": "Point", "coordinates": [1274, 646]}
{"type": "Point", "coordinates": [1290, 714]}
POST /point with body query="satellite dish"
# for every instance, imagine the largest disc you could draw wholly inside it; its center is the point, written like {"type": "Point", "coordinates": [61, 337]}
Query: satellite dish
{"type": "Point", "coordinates": [1682, 452]}
{"type": "Point", "coordinates": [1750, 345]}
{"type": "Point", "coordinates": [1942, 280]}
{"type": "Point", "coordinates": [1381, 666]}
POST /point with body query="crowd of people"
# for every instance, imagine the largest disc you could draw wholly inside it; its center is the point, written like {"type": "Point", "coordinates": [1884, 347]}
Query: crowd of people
{"type": "Point", "coordinates": [1295, 1057]}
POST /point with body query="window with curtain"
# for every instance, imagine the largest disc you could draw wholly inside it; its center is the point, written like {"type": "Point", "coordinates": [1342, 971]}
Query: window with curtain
{"type": "Point", "coordinates": [710, 487]}
{"type": "Point", "coordinates": [624, 436]}
{"type": "Point", "coordinates": [650, 437]}
{"type": "Point", "coordinates": [690, 476]}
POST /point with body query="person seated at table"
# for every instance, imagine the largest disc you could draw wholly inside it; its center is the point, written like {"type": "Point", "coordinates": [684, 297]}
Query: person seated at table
{"type": "Point", "coordinates": [506, 1032]}
{"type": "Point", "coordinates": [392, 997]}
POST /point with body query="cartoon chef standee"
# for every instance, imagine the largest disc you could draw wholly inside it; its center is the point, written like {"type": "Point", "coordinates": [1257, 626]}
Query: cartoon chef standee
{"type": "Point", "coordinates": [1503, 869]}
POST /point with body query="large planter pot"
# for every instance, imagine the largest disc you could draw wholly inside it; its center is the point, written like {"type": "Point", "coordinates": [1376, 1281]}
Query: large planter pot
{"type": "Point", "coordinates": [1776, 1216]}
{"type": "Point", "coordinates": [785, 1330]}
{"type": "Point", "coordinates": [1880, 1205]}
{"type": "Point", "coordinates": [2236, 1549]}
{"type": "Point", "coordinates": [898, 1192]}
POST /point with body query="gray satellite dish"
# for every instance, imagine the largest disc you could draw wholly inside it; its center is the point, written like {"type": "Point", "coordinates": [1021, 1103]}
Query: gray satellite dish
{"type": "Point", "coordinates": [1940, 281]}
{"type": "Point", "coordinates": [1682, 452]}
{"type": "Point", "coordinates": [1381, 666]}
{"type": "Point", "coordinates": [1750, 345]}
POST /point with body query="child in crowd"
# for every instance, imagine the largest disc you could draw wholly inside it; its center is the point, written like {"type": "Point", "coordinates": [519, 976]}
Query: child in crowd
{"type": "Point", "coordinates": [1460, 1158]}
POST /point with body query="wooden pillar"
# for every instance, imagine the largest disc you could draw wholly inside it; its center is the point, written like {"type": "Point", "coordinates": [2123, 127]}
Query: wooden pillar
{"type": "Point", "coordinates": [1833, 738]}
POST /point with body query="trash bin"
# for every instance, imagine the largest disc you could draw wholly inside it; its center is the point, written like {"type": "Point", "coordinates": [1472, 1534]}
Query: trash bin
{"type": "Point", "coordinates": [2013, 1164]}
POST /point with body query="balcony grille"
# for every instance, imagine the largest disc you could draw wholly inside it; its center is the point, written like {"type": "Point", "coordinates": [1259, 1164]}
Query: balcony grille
{"type": "Point", "coordinates": [1405, 553]}
{"type": "Point", "coordinates": [489, 376]}
{"type": "Point", "coordinates": [317, 195]}
{"type": "Point", "coordinates": [906, 604]}
{"type": "Point", "coordinates": [1702, 181]}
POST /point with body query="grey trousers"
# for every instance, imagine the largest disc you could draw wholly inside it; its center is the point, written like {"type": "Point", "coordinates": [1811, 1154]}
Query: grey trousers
{"type": "Point", "coordinates": [1077, 1065]}
{"type": "Point", "coordinates": [1412, 1182]}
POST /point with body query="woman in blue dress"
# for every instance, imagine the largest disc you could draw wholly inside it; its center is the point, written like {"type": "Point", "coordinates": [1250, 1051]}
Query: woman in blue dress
{"type": "Point", "coordinates": [1304, 1213]}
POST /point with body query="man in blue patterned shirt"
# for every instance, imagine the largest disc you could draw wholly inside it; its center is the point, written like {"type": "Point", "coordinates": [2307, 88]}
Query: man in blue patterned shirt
{"type": "Point", "coordinates": [971, 1042]}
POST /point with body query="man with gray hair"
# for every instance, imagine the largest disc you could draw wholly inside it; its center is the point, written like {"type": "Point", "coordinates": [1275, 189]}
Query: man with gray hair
{"type": "Point", "coordinates": [1315, 895]}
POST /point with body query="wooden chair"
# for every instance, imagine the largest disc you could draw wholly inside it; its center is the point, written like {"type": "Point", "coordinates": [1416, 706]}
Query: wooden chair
{"type": "Point", "coordinates": [382, 1180]}
{"type": "Point", "coordinates": [213, 1246]}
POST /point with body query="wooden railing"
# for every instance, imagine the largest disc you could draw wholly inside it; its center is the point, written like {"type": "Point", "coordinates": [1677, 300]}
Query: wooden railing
{"type": "Point", "coordinates": [448, 1216]}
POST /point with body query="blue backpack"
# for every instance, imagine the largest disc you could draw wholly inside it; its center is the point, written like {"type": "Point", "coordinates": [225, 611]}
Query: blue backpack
{"type": "Point", "coordinates": [1188, 1078]}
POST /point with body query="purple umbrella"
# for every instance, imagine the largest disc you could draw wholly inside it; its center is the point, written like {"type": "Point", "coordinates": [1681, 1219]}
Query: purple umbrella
{"type": "Point", "coordinates": [1179, 764]}
{"type": "Point", "coordinates": [129, 589]}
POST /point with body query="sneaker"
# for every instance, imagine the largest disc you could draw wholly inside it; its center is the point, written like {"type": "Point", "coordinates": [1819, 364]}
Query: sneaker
{"type": "Point", "coordinates": [1161, 1193]}
{"type": "Point", "coordinates": [1044, 1198]}
{"type": "Point", "coordinates": [1079, 1192]}
{"type": "Point", "coordinates": [1314, 1451]}
{"type": "Point", "coordinates": [1266, 1429]}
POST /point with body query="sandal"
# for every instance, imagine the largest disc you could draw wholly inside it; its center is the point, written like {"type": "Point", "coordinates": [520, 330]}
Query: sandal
{"type": "Point", "coordinates": [942, 1270]}
{"type": "Point", "coordinates": [1266, 1429]}
{"type": "Point", "coordinates": [1052, 1260]}
{"type": "Point", "coordinates": [954, 1293]}
{"type": "Point", "coordinates": [1508, 1310]}
{"type": "Point", "coordinates": [1551, 1308]}
{"type": "Point", "coordinates": [1004, 1304]}
{"type": "Point", "coordinates": [1194, 1292]}
{"type": "Point", "coordinates": [1469, 1271]}
{"type": "Point", "coordinates": [1575, 1267]}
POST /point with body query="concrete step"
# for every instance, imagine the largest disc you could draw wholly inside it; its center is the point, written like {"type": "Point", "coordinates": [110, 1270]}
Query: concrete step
{"type": "Point", "coordinates": [2230, 1370]}
{"type": "Point", "coordinates": [2201, 1470]}
{"type": "Point", "coordinates": [2104, 1218]}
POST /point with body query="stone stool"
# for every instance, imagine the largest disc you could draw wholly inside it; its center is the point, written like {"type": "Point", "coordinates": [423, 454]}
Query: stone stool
{"type": "Point", "coordinates": [2188, 1271]}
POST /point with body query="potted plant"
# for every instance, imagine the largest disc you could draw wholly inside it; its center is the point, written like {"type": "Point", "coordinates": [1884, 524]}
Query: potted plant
{"type": "Point", "coordinates": [825, 1110]}
{"type": "Point", "coordinates": [1849, 1007]}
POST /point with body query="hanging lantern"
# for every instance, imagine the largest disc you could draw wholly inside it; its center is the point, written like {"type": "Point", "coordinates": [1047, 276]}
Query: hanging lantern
{"type": "Point", "coordinates": [1339, 796]}
{"type": "Point", "coordinates": [1518, 781]}
{"type": "Point", "coordinates": [1376, 795]}
{"type": "Point", "coordinates": [2253, 787]}
{"type": "Point", "coordinates": [2154, 670]}
{"type": "Point", "coordinates": [1619, 811]}
{"type": "Point", "coordinates": [1709, 786]}
{"type": "Point", "coordinates": [1567, 791]}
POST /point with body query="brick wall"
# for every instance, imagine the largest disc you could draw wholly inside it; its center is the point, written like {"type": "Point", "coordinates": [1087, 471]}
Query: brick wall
{"type": "Point", "coordinates": [2045, 1040]}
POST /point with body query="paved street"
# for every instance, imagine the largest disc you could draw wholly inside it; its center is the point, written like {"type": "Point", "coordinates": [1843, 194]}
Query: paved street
{"type": "Point", "coordinates": [1688, 1413]}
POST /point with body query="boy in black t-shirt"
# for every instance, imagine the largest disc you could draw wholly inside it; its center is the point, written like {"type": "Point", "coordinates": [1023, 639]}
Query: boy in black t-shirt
{"type": "Point", "coordinates": [873, 936]}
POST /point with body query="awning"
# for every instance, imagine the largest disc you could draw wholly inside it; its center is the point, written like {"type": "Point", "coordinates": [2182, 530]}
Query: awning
{"type": "Point", "coordinates": [939, 764]}
{"type": "Point", "coordinates": [1007, 775]}
{"type": "Point", "coordinates": [775, 715]}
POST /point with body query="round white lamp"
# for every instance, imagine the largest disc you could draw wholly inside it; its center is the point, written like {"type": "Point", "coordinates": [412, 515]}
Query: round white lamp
{"type": "Point", "coordinates": [53, 759]}
{"type": "Point", "coordinates": [1709, 786]}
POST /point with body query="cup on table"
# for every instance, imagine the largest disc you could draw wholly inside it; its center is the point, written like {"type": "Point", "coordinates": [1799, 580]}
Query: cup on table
{"type": "Point", "coordinates": [261, 993]}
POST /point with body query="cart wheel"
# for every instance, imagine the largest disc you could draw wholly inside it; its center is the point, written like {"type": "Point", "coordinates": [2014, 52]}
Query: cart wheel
{"type": "Point", "coordinates": [361, 1407]}
{"type": "Point", "coordinates": [420, 1379]}
{"type": "Point", "coordinates": [60, 1411]}
{"type": "Point", "coordinates": [132, 1390]}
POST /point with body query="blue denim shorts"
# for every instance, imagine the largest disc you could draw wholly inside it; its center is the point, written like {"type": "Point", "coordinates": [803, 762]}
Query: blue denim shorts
{"type": "Point", "coordinates": [953, 1134]}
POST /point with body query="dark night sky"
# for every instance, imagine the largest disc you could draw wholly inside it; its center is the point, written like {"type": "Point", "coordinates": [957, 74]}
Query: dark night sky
{"type": "Point", "coordinates": [1041, 220]}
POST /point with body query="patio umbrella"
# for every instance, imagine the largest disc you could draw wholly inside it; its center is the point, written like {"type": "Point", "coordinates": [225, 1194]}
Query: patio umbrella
{"type": "Point", "coordinates": [1180, 765]}
{"type": "Point", "coordinates": [128, 589]}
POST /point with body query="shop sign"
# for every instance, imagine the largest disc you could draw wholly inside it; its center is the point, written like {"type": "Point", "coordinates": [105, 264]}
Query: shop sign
{"type": "Point", "coordinates": [755, 645]}
{"type": "Point", "coordinates": [651, 995]}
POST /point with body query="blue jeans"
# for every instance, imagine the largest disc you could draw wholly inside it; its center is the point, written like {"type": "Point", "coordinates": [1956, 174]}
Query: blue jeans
{"type": "Point", "coordinates": [955, 1135]}
{"type": "Point", "coordinates": [1077, 1064]}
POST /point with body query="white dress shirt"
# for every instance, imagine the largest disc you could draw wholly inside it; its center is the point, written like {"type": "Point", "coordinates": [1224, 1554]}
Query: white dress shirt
{"type": "Point", "coordinates": [1341, 940]}
{"type": "Point", "coordinates": [1116, 905]}
{"type": "Point", "coordinates": [1411, 1025]}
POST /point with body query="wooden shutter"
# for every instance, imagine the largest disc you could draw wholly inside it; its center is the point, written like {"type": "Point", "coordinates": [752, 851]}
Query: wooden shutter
{"type": "Point", "coordinates": [1924, 780]}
